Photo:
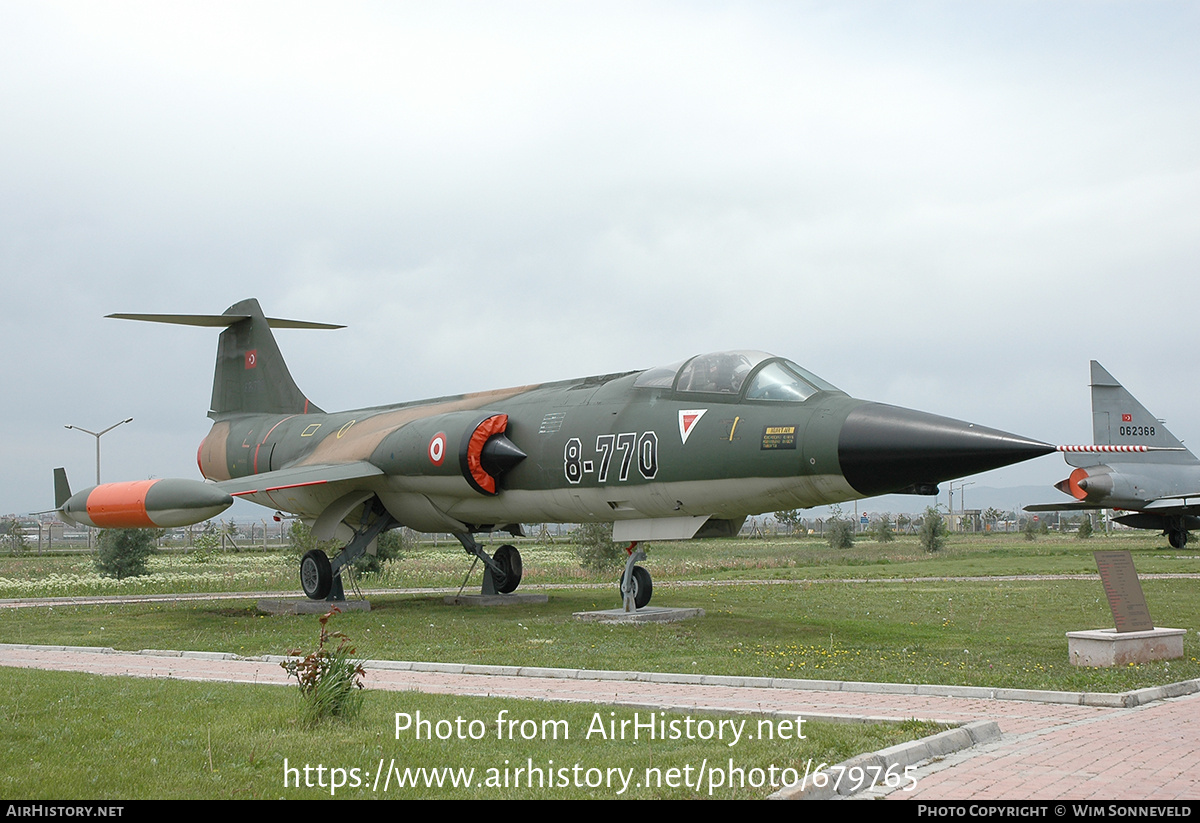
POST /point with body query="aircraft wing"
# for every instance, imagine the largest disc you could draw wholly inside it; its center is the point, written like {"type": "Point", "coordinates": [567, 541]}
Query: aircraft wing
{"type": "Point", "coordinates": [1175, 503]}
{"type": "Point", "coordinates": [300, 476]}
{"type": "Point", "coordinates": [1063, 507]}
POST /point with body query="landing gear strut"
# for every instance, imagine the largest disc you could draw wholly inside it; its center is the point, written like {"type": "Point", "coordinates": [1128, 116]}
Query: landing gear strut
{"type": "Point", "coordinates": [320, 577]}
{"type": "Point", "coordinates": [636, 586]}
{"type": "Point", "coordinates": [502, 574]}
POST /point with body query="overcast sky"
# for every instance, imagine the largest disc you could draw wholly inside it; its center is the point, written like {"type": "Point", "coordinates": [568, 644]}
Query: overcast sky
{"type": "Point", "coordinates": [946, 206]}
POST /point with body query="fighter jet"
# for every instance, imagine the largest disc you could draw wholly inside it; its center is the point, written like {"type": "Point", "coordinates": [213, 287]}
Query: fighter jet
{"type": "Point", "coordinates": [1150, 473]}
{"type": "Point", "coordinates": [670, 453]}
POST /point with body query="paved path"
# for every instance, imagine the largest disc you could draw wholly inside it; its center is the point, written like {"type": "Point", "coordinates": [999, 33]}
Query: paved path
{"type": "Point", "coordinates": [1052, 746]}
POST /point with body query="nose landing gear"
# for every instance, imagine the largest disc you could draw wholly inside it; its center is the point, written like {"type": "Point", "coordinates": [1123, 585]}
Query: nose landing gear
{"type": "Point", "coordinates": [636, 585]}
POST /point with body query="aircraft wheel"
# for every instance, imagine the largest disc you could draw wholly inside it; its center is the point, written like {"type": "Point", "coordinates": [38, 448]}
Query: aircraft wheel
{"type": "Point", "coordinates": [509, 561]}
{"type": "Point", "coordinates": [316, 575]}
{"type": "Point", "coordinates": [1178, 539]}
{"type": "Point", "coordinates": [643, 587]}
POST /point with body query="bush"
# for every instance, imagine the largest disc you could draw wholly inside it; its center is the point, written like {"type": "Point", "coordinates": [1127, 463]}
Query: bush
{"type": "Point", "coordinates": [932, 534]}
{"type": "Point", "coordinates": [1085, 528]}
{"type": "Point", "coordinates": [839, 531]}
{"type": "Point", "coordinates": [331, 682]}
{"type": "Point", "coordinates": [390, 545]}
{"type": "Point", "coordinates": [122, 553]}
{"type": "Point", "coordinates": [1030, 530]}
{"type": "Point", "coordinates": [595, 547]}
{"type": "Point", "coordinates": [301, 541]}
{"type": "Point", "coordinates": [883, 529]}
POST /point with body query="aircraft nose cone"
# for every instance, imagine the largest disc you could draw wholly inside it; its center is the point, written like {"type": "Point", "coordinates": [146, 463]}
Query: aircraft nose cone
{"type": "Point", "coordinates": [886, 449]}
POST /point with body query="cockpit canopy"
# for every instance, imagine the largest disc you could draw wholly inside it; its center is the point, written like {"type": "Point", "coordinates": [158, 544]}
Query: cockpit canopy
{"type": "Point", "coordinates": [752, 375]}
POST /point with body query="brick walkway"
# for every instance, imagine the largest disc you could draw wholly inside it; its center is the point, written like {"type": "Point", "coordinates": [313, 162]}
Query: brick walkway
{"type": "Point", "coordinates": [1050, 749]}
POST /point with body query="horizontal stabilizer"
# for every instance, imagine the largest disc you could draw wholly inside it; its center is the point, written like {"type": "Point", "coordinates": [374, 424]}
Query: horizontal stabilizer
{"type": "Point", "coordinates": [221, 321]}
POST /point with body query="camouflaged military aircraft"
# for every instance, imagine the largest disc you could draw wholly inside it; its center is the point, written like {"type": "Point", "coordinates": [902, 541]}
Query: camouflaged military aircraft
{"type": "Point", "coordinates": [1151, 473]}
{"type": "Point", "coordinates": [671, 453]}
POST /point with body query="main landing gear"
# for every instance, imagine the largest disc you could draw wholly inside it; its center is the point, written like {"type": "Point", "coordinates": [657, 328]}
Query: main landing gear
{"type": "Point", "coordinates": [502, 574]}
{"type": "Point", "coordinates": [1178, 538]}
{"type": "Point", "coordinates": [321, 578]}
{"type": "Point", "coordinates": [636, 586]}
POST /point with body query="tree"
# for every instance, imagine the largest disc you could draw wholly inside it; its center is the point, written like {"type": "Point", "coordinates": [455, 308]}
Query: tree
{"type": "Point", "coordinates": [790, 518]}
{"type": "Point", "coordinates": [932, 533]}
{"type": "Point", "coordinates": [595, 547]}
{"type": "Point", "coordinates": [16, 536]}
{"type": "Point", "coordinates": [1085, 528]}
{"type": "Point", "coordinates": [883, 529]}
{"type": "Point", "coordinates": [840, 533]}
{"type": "Point", "coordinates": [122, 553]}
{"type": "Point", "coordinates": [1030, 529]}
{"type": "Point", "coordinates": [992, 516]}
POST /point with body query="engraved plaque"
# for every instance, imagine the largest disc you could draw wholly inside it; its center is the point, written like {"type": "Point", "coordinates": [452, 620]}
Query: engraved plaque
{"type": "Point", "coordinates": [1124, 592]}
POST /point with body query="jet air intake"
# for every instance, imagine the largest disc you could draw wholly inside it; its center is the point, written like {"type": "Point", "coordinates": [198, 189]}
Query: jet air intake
{"type": "Point", "coordinates": [884, 449]}
{"type": "Point", "coordinates": [456, 454]}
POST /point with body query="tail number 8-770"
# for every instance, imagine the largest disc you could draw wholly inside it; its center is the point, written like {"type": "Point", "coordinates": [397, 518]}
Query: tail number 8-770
{"type": "Point", "coordinates": [626, 446]}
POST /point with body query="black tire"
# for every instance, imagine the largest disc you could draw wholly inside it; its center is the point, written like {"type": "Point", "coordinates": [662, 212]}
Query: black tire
{"type": "Point", "coordinates": [1178, 539]}
{"type": "Point", "coordinates": [643, 587]}
{"type": "Point", "coordinates": [316, 575]}
{"type": "Point", "coordinates": [509, 561]}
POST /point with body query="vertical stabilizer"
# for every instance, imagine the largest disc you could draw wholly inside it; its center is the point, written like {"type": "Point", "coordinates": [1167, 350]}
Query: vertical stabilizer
{"type": "Point", "coordinates": [251, 375]}
{"type": "Point", "coordinates": [62, 489]}
{"type": "Point", "coordinates": [1118, 419]}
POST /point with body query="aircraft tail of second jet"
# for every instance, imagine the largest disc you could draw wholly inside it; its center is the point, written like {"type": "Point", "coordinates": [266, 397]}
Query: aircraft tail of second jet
{"type": "Point", "coordinates": [1118, 419]}
{"type": "Point", "coordinates": [250, 376]}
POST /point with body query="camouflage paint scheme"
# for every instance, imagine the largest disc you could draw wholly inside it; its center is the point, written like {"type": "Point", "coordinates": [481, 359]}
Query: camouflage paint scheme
{"type": "Point", "coordinates": [670, 453]}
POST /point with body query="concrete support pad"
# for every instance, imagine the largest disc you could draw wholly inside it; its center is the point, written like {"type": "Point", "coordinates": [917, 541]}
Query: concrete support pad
{"type": "Point", "coordinates": [519, 599]}
{"type": "Point", "coordinates": [1108, 647]}
{"type": "Point", "coordinates": [306, 606]}
{"type": "Point", "coordinates": [649, 614]}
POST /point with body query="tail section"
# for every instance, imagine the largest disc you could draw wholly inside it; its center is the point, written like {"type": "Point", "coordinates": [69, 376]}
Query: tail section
{"type": "Point", "coordinates": [1118, 419]}
{"type": "Point", "coordinates": [62, 489]}
{"type": "Point", "coordinates": [251, 376]}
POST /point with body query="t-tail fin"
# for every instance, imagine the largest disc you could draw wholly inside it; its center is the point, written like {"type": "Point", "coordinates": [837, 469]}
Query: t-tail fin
{"type": "Point", "coordinates": [251, 376]}
{"type": "Point", "coordinates": [62, 489]}
{"type": "Point", "coordinates": [1118, 419]}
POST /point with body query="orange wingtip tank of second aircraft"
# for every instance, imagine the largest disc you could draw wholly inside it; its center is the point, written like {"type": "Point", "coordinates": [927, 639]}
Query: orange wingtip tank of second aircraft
{"type": "Point", "coordinates": [145, 504]}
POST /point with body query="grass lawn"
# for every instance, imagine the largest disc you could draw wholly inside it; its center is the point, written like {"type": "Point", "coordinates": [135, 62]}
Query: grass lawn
{"type": "Point", "coordinates": [75, 736]}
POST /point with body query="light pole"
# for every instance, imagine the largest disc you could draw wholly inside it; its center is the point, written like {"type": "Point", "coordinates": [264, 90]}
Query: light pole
{"type": "Point", "coordinates": [98, 435]}
{"type": "Point", "coordinates": [962, 498]}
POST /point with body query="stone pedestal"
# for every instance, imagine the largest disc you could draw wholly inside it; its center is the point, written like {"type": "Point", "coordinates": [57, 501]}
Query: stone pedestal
{"type": "Point", "coordinates": [1108, 647]}
{"type": "Point", "coordinates": [306, 606]}
{"type": "Point", "coordinates": [646, 614]}
{"type": "Point", "coordinates": [517, 599]}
